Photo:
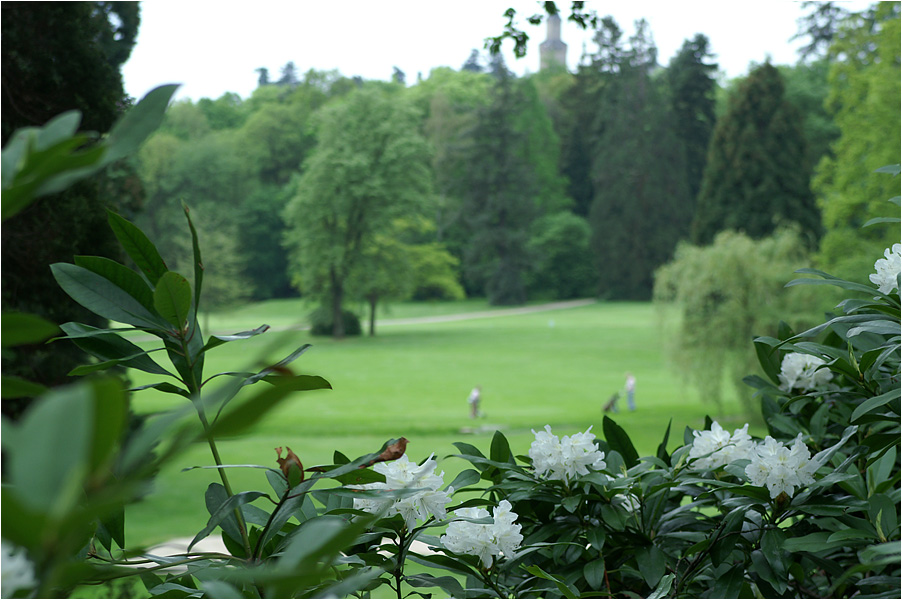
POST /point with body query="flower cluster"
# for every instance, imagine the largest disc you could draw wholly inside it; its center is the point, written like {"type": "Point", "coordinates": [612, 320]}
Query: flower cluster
{"type": "Point", "coordinates": [803, 372]}
{"type": "Point", "coordinates": [401, 474]}
{"type": "Point", "coordinates": [18, 572]}
{"type": "Point", "coordinates": [485, 540]}
{"type": "Point", "coordinates": [781, 469]}
{"type": "Point", "coordinates": [887, 276]}
{"type": "Point", "coordinates": [564, 459]}
{"type": "Point", "coordinates": [717, 447]}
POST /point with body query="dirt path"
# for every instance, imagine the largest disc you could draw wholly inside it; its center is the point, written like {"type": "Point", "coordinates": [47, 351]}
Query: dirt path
{"type": "Point", "coordinates": [498, 312]}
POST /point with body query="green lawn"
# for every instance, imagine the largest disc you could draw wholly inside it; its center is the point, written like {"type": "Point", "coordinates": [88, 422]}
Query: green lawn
{"type": "Point", "coordinates": [412, 380]}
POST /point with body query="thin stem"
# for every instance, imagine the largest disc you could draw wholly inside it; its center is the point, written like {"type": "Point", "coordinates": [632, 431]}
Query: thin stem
{"type": "Point", "coordinates": [194, 389]}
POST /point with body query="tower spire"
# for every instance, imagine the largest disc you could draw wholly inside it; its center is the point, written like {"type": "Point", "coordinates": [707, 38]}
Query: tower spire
{"type": "Point", "coordinates": [553, 51]}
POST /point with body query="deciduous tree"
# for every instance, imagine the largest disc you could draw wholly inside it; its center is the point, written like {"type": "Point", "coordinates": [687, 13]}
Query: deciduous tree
{"type": "Point", "coordinates": [371, 166]}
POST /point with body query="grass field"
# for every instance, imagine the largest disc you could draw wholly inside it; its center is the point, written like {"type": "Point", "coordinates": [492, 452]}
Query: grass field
{"type": "Point", "coordinates": [556, 367]}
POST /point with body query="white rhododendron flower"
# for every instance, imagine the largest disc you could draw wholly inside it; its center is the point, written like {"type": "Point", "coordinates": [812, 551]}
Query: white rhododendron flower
{"type": "Point", "coordinates": [17, 571]}
{"type": "Point", "coordinates": [718, 447]}
{"type": "Point", "coordinates": [564, 459]}
{"type": "Point", "coordinates": [803, 372]}
{"type": "Point", "coordinates": [781, 469]}
{"type": "Point", "coordinates": [501, 537]}
{"type": "Point", "coordinates": [886, 277]}
{"type": "Point", "coordinates": [400, 474]}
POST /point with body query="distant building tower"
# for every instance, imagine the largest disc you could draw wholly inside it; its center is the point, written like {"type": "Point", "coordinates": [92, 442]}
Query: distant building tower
{"type": "Point", "coordinates": [553, 51]}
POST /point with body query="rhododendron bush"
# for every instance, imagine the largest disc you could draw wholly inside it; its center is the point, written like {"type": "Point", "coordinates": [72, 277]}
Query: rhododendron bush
{"type": "Point", "coordinates": [810, 510]}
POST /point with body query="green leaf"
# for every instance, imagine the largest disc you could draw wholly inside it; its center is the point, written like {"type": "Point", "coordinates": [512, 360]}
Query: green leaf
{"type": "Point", "coordinates": [620, 442]}
{"type": "Point", "coordinates": [253, 408]}
{"type": "Point", "coordinates": [23, 328]}
{"type": "Point", "coordinates": [54, 450]}
{"type": "Point", "coordinates": [218, 340]}
{"type": "Point", "coordinates": [465, 478]}
{"type": "Point", "coordinates": [139, 248]}
{"type": "Point", "coordinates": [162, 386]}
{"type": "Point", "coordinates": [198, 261]}
{"type": "Point", "coordinates": [172, 298]}
{"type": "Point", "coordinates": [871, 403]}
{"type": "Point", "coordinates": [594, 573]}
{"type": "Point", "coordinates": [111, 348]}
{"type": "Point", "coordinates": [135, 126]}
{"type": "Point", "coordinates": [662, 447]}
{"type": "Point", "coordinates": [102, 297]}
{"type": "Point", "coordinates": [500, 450]}
{"type": "Point", "coordinates": [110, 419]}
{"type": "Point", "coordinates": [562, 586]}
{"type": "Point", "coordinates": [223, 511]}
{"type": "Point", "coordinates": [121, 276]}
{"type": "Point", "coordinates": [17, 387]}
{"type": "Point", "coordinates": [652, 565]}
{"type": "Point", "coordinates": [664, 587]}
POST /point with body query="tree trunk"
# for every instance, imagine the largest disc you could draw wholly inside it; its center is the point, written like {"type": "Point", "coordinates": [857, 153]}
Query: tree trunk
{"type": "Point", "coordinates": [373, 298]}
{"type": "Point", "coordinates": [338, 324]}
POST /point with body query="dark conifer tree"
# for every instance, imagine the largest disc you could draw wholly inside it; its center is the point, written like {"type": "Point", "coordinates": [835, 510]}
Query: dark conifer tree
{"type": "Point", "coordinates": [640, 205]}
{"type": "Point", "coordinates": [690, 77]}
{"type": "Point", "coordinates": [496, 194]}
{"type": "Point", "coordinates": [756, 177]}
{"type": "Point", "coordinates": [60, 56]}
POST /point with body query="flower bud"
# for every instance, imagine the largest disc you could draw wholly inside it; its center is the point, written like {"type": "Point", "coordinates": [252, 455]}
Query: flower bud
{"type": "Point", "coordinates": [291, 466]}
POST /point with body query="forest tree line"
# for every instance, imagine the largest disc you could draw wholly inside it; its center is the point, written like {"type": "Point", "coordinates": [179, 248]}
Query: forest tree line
{"type": "Point", "coordinates": [552, 185]}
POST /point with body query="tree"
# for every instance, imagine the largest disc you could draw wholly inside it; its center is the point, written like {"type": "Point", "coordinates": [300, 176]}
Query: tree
{"type": "Point", "coordinates": [640, 205]}
{"type": "Point", "coordinates": [371, 166]}
{"type": "Point", "coordinates": [59, 56]}
{"type": "Point", "coordinates": [756, 177]}
{"type": "Point", "coordinates": [864, 99]}
{"type": "Point", "coordinates": [508, 177]}
{"type": "Point", "coordinates": [690, 78]}
{"type": "Point", "coordinates": [719, 297]}
{"type": "Point", "coordinates": [473, 62]}
{"type": "Point", "coordinates": [821, 26]}
{"type": "Point", "coordinates": [807, 89]}
{"type": "Point", "coordinates": [563, 262]}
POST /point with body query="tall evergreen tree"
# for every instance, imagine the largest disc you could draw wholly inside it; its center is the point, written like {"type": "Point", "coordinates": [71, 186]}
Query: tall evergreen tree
{"type": "Point", "coordinates": [757, 175]}
{"type": "Point", "coordinates": [640, 205]}
{"type": "Point", "coordinates": [690, 76]}
{"type": "Point", "coordinates": [509, 177]}
{"type": "Point", "coordinates": [60, 56]}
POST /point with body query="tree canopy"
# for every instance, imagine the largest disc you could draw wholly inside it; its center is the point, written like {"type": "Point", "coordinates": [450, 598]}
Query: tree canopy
{"type": "Point", "coordinates": [371, 166]}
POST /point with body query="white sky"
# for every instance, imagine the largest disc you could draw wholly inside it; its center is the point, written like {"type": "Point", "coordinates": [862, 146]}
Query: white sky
{"type": "Point", "coordinates": [213, 47]}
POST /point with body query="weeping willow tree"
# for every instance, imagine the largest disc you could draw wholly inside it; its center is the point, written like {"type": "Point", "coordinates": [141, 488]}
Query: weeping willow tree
{"type": "Point", "coordinates": [716, 299]}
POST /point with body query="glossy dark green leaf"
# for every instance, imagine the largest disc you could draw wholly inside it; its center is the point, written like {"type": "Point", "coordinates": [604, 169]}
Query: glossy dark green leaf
{"type": "Point", "coordinates": [652, 564]}
{"type": "Point", "coordinates": [464, 479]}
{"type": "Point", "coordinates": [102, 297]}
{"type": "Point", "coordinates": [222, 511]}
{"type": "Point", "coordinates": [24, 328]}
{"type": "Point", "coordinates": [500, 449]}
{"type": "Point", "coordinates": [873, 403]}
{"type": "Point", "coordinates": [663, 589]}
{"type": "Point", "coordinates": [619, 441]}
{"type": "Point", "coordinates": [172, 298]}
{"type": "Point", "coordinates": [111, 348]}
{"type": "Point", "coordinates": [139, 248]}
{"type": "Point", "coordinates": [121, 276]}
